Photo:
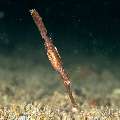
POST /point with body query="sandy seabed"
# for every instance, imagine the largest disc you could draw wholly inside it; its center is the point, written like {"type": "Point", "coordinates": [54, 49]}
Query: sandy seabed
{"type": "Point", "coordinates": [31, 90]}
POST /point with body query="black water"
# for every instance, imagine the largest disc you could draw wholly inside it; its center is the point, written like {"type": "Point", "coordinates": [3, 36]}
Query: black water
{"type": "Point", "coordinates": [81, 27]}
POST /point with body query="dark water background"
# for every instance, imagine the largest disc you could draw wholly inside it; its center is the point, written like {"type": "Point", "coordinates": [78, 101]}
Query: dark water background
{"type": "Point", "coordinates": [87, 27]}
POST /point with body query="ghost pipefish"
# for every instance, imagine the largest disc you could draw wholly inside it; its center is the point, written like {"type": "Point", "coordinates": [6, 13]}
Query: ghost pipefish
{"type": "Point", "coordinates": [53, 54]}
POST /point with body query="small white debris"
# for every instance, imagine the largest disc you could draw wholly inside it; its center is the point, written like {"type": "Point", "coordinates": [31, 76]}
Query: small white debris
{"type": "Point", "coordinates": [23, 118]}
{"type": "Point", "coordinates": [74, 109]}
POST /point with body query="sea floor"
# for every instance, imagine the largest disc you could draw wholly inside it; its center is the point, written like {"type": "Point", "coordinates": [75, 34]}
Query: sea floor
{"type": "Point", "coordinates": [31, 90]}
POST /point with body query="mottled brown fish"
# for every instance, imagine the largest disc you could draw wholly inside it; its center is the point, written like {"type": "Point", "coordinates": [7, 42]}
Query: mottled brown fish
{"type": "Point", "coordinates": [53, 54]}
